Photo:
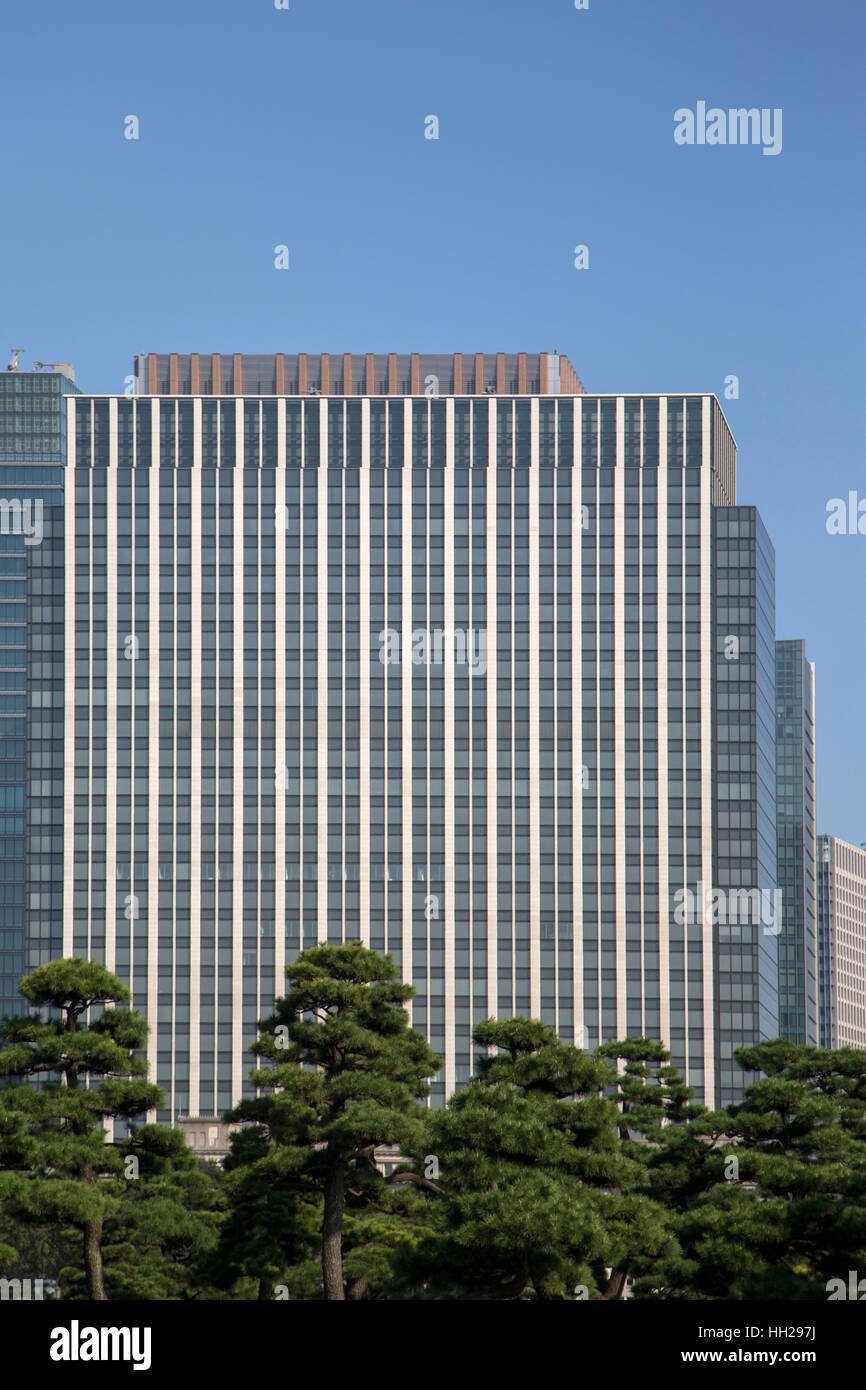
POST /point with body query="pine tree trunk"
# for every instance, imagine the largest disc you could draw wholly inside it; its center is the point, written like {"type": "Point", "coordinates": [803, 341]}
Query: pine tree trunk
{"type": "Point", "coordinates": [616, 1284]}
{"type": "Point", "coordinates": [332, 1232]}
{"type": "Point", "coordinates": [93, 1261]}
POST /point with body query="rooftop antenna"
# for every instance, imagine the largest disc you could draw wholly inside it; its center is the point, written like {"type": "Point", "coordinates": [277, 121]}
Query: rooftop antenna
{"type": "Point", "coordinates": [16, 353]}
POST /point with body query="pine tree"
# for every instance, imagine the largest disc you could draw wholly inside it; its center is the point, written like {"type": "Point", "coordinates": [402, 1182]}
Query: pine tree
{"type": "Point", "coordinates": [770, 1194]}
{"type": "Point", "coordinates": [348, 1075]}
{"type": "Point", "coordinates": [536, 1192]}
{"type": "Point", "coordinates": [164, 1224]}
{"type": "Point", "coordinates": [270, 1238]}
{"type": "Point", "coordinates": [55, 1164]}
{"type": "Point", "coordinates": [650, 1094]}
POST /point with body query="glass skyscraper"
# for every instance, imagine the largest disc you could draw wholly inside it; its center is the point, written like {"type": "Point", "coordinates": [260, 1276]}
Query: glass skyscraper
{"type": "Point", "coordinates": [795, 830]}
{"type": "Point", "coordinates": [32, 457]}
{"type": "Point", "coordinates": [744, 790]}
{"type": "Point", "coordinates": [429, 652]}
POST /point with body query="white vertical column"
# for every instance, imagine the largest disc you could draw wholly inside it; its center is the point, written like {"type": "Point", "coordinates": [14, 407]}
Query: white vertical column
{"type": "Point", "coordinates": [406, 671]}
{"type": "Point", "coordinates": [707, 662]}
{"type": "Point", "coordinates": [261, 650]}
{"type": "Point", "coordinates": [619, 713]}
{"type": "Point", "coordinates": [682, 839]}
{"type": "Point", "coordinates": [168, 412]}
{"type": "Point", "coordinates": [280, 528]}
{"type": "Point", "coordinates": [642, 773]}
{"type": "Point", "coordinates": [322, 687]}
{"type": "Point", "coordinates": [577, 536]}
{"type": "Point", "coordinates": [91, 771]}
{"type": "Point", "coordinates": [364, 669]}
{"type": "Point", "coordinates": [111, 645]}
{"type": "Point", "coordinates": [237, 1026]}
{"type": "Point", "coordinates": [534, 730]}
{"type": "Point", "coordinates": [481, 404]}
{"type": "Point", "coordinates": [664, 844]}
{"type": "Point", "coordinates": [302, 589]}
{"type": "Point", "coordinates": [195, 813]}
{"type": "Point", "coordinates": [157, 1035]}
{"type": "Point", "coordinates": [69, 683]}
{"type": "Point", "coordinates": [448, 673]}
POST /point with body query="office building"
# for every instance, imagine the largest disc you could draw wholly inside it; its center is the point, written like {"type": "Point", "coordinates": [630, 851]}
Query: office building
{"type": "Point", "coordinates": [438, 653]}
{"type": "Point", "coordinates": [842, 942]}
{"type": "Point", "coordinates": [795, 838]}
{"type": "Point", "coordinates": [32, 470]}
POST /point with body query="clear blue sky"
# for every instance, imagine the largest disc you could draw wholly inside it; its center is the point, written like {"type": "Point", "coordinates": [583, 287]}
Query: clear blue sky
{"type": "Point", "coordinates": [306, 127]}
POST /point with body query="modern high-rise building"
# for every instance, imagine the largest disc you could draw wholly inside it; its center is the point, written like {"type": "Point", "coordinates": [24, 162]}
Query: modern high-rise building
{"type": "Point", "coordinates": [743, 778]}
{"type": "Point", "coordinates": [437, 653]}
{"type": "Point", "coordinates": [795, 838]}
{"type": "Point", "coordinates": [33, 423]}
{"type": "Point", "coordinates": [842, 942]}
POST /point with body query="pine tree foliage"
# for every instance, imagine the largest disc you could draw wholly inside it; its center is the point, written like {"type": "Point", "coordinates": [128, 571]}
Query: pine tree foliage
{"type": "Point", "coordinates": [56, 1168]}
{"type": "Point", "coordinates": [348, 1075]}
{"type": "Point", "coordinates": [538, 1196]}
{"type": "Point", "coordinates": [770, 1194]}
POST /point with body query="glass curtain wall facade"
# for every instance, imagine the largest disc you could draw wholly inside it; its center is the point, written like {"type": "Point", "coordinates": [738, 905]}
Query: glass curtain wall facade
{"type": "Point", "coordinates": [431, 673]}
{"type": "Point", "coordinates": [744, 791]}
{"type": "Point", "coordinates": [795, 829]}
{"type": "Point", "coordinates": [32, 455]}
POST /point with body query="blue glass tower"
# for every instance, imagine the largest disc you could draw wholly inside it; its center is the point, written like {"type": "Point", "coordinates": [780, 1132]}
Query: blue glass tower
{"type": "Point", "coordinates": [32, 458]}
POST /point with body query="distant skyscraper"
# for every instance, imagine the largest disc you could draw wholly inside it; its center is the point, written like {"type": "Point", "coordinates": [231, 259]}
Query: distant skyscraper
{"type": "Point", "coordinates": [842, 942]}
{"type": "Point", "coordinates": [32, 457]}
{"type": "Point", "coordinates": [795, 837]}
{"type": "Point", "coordinates": [744, 790]}
{"type": "Point", "coordinates": [437, 653]}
